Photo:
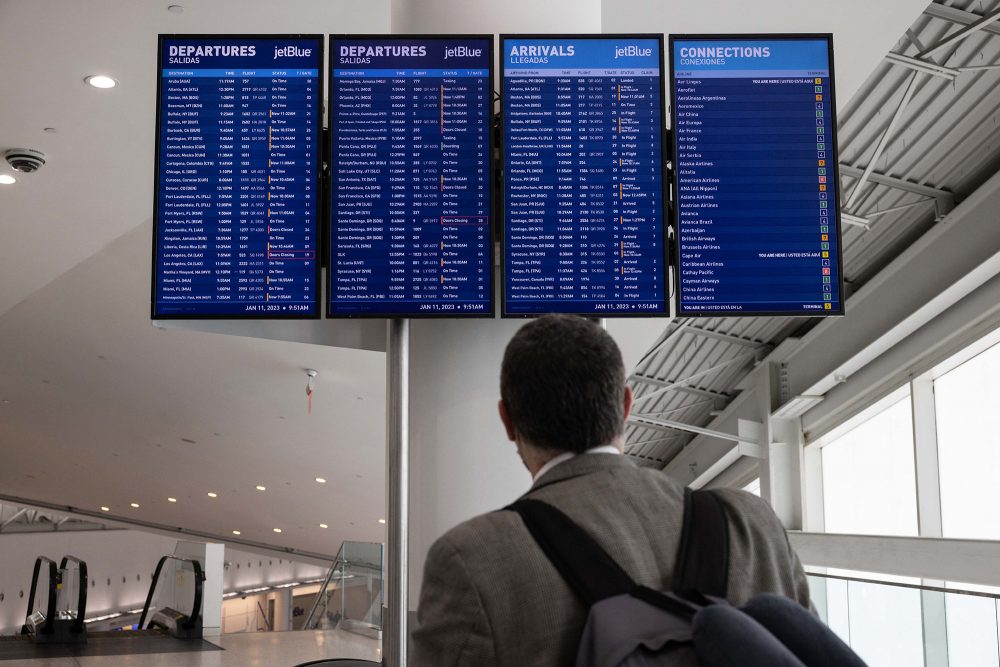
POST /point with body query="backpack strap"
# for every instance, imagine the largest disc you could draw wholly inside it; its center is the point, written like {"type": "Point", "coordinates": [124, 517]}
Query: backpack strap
{"type": "Point", "coordinates": [703, 557]}
{"type": "Point", "coordinates": [583, 564]}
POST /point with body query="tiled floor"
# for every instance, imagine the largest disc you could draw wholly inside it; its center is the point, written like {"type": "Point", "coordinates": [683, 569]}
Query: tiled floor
{"type": "Point", "coordinates": [264, 649]}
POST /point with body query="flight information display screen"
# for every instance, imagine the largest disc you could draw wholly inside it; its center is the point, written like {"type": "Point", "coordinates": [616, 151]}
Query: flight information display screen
{"type": "Point", "coordinates": [237, 166]}
{"type": "Point", "coordinates": [410, 123]}
{"type": "Point", "coordinates": [758, 229]}
{"type": "Point", "coordinates": [584, 193]}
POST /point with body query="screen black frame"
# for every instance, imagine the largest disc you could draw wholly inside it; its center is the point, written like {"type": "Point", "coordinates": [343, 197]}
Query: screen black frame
{"type": "Point", "coordinates": [834, 151]}
{"type": "Point", "coordinates": [330, 222]}
{"type": "Point", "coordinates": [317, 178]}
{"type": "Point", "coordinates": [664, 186]}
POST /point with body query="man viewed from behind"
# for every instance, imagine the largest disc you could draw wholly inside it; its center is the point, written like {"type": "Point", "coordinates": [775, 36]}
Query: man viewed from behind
{"type": "Point", "coordinates": [491, 597]}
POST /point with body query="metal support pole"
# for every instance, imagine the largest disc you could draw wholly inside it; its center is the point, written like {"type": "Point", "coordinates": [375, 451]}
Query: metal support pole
{"type": "Point", "coordinates": [396, 635]}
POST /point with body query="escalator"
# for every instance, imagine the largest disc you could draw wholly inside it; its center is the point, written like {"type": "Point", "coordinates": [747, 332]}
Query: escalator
{"type": "Point", "coordinates": [165, 618]}
{"type": "Point", "coordinates": [56, 622]}
{"type": "Point", "coordinates": [56, 626]}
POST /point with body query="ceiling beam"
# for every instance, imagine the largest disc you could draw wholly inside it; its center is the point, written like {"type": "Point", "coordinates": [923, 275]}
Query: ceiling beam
{"type": "Point", "coordinates": [959, 16]}
{"type": "Point", "coordinates": [911, 87]}
{"type": "Point", "coordinates": [669, 425]}
{"type": "Point", "coordinates": [727, 337]}
{"type": "Point", "coordinates": [927, 67]}
{"type": "Point", "coordinates": [980, 23]}
{"type": "Point", "coordinates": [944, 197]}
{"type": "Point", "coordinates": [744, 358]}
{"type": "Point", "coordinates": [656, 382]}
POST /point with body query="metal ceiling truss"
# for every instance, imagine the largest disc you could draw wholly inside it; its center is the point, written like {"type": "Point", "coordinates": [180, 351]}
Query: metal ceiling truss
{"type": "Point", "coordinates": [670, 385]}
{"type": "Point", "coordinates": [26, 520]}
{"type": "Point", "coordinates": [921, 64]}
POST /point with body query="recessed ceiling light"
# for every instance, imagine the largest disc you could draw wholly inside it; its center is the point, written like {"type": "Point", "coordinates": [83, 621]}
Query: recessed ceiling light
{"type": "Point", "coordinates": [101, 81]}
{"type": "Point", "coordinates": [323, 525]}
{"type": "Point", "coordinates": [236, 532]}
{"type": "Point", "coordinates": [105, 509]}
{"type": "Point", "coordinates": [213, 494]}
{"type": "Point", "coordinates": [135, 505]}
{"type": "Point", "coordinates": [171, 500]}
{"type": "Point", "coordinates": [381, 520]}
{"type": "Point", "coordinates": [277, 530]}
{"type": "Point", "coordinates": [261, 487]}
{"type": "Point", "coordinates": [7, 179]}
{"type": "Point", "coordinates": [321, 480]}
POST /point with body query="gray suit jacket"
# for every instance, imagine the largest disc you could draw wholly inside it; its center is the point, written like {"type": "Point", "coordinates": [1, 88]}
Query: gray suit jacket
{"type": "Point", "coordinates": [491, 598]}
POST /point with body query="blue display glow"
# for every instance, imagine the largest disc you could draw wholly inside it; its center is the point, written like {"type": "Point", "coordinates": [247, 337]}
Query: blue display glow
{"type": "Point", "coordinates": [757, 189]}
{"type": "Point", "coordinates": [583, 176]}
{"type": "Point", "coordinates": [410, 126]}
{"type": "Point", "coordinates": [237, 163]}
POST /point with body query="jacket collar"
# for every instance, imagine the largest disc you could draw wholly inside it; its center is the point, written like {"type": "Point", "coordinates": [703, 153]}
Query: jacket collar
{"type": "Point", "coordinates": [584, 464]}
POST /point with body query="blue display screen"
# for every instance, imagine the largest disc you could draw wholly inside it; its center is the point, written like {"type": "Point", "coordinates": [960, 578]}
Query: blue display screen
{"type": "Point", "coordinates": [236, 176]}
{"type": "Point", "coordinates": [410, 125]}
{"type": "Point", "coordinates": [757, 188]}
{"type": "Point", "coordinates": [583, 176]}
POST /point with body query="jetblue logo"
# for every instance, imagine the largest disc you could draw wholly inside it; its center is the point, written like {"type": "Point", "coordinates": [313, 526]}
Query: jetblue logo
{"type": "Point", "coordinates": [462, 52]}
{"type": "Point", "coordinates": [291, 52]}
{"type": "Point", "coordinates": [632, 51]}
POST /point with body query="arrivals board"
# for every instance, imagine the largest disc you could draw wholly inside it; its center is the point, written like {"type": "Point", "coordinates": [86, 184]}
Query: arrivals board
{"type": "Point", "coordinates": [584, 192]}
{"type": "Point", "coordinates": [757, 193]}
{"type": "Point", "coordinates": [410, 125]}
{"type": "Point", "coordinates": [237, 165]}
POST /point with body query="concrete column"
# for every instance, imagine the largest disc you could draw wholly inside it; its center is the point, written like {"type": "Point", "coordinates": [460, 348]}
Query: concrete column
{"type": "Point", "coordinates": [461, 464]}
{"type": "Point", "coordinates": [212, 558]}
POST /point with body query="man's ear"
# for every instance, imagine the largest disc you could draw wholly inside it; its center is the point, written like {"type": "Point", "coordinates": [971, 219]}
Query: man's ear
{"type": "Point", "coordinates": [629, 399]}
{"type": "Point", "coordinates": [505, 418]}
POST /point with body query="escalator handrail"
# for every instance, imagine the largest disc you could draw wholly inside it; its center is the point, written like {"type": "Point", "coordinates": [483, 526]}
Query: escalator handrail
{"type": "Point", "coordinates": [199, 579]}
{"type": "Point", "coordinates": [47, 627]}
{"type": "Point", "coordinates": [81, 608]}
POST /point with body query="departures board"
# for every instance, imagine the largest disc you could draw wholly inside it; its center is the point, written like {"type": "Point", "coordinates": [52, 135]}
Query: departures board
{"type": "Point", "coordinates": [757, 192]}
{"type": "Point", "coordinates": [411, 176]}
{"type": "Point", "coordinates": [237, 173]}
{"type": "Point", "coordinates": [584, 191]}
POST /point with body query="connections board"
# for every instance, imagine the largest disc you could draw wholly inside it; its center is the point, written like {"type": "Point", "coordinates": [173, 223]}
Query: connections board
{"type": "Point", "coordinates": [410, 125]}
{"type": "Point", "coordinates": [758, 229]}
{"type": "Point", "coordinates": [584, 192]}
{"type": "Point", "coordinates": [237, 167]}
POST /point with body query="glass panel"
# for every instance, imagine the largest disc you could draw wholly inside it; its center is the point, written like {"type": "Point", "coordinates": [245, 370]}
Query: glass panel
{"type": "Point", "coordinates": [869, 484]}
{"type": "Point", "coordinates": [40, 607]}
{"type": "Point", "coordinates": [972, 630]}
{"type": "Point", "coordinates": [968, 424]}
{"type": "Point", "coordinates": [886, 625]}
{"type": "Point", "coordinates": [901, 624]}
{"type": "Point", "coordinates": [753, 487]}
{"type": "Point", "coordinates": [68, 594]}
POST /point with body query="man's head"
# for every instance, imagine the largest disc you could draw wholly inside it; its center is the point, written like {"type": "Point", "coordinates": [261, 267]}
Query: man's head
{"type": "Point", "coordinates": [562, 386]}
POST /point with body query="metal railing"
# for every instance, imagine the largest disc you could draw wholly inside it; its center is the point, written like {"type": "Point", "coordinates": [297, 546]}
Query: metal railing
{"type": "Point", "coordinates": [357, 568]}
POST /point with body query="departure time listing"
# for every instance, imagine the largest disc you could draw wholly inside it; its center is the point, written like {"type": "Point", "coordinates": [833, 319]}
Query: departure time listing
{"type": "Point", "coordinates": [238, 152]}
{"type": "Point", "coordinates": [410, 127]}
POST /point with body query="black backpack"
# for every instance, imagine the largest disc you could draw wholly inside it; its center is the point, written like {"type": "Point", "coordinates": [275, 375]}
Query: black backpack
{"type": "Point", "coordinates": [629, 625]}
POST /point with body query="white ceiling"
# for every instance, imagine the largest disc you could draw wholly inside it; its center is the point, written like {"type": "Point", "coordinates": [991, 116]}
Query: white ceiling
{"type": "Point", "coordinates": [100, 402]}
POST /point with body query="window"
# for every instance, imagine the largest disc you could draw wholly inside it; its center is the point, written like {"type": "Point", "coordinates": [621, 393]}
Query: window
{"type": "Point", "coordinates": [869, 482]}
{"type": "Point", "coordinates": [753, 487]}
{"type": "Point", "coordinates": [967, 402]}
